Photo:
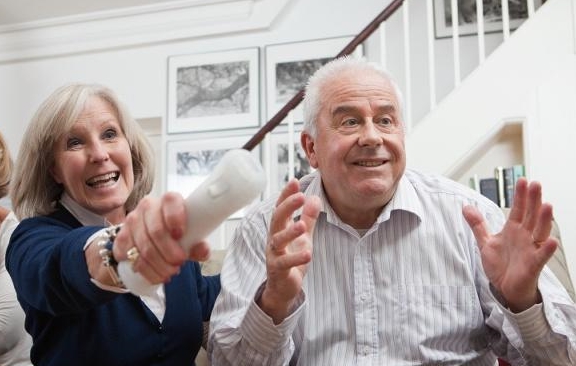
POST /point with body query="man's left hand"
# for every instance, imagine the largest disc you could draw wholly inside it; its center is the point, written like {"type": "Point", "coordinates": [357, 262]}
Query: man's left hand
{"type": "Point", "coordinates": [514, 257]}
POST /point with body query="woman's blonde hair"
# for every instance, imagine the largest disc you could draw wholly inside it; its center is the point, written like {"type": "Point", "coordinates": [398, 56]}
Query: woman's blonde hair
{"type": "Point", "coordinates": [5, 167]}
{"type": "Point", "coordinates": [34, 191]}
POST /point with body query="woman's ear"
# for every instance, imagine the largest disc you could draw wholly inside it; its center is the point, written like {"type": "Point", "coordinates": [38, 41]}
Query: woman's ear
{"type": "Point", "coordinates": [55, 174]}
{"type": "Point", "coordinates": [307, 142]}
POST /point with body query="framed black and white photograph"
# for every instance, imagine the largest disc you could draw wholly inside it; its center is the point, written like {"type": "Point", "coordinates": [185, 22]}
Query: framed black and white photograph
{"type": "Point", "coordinates": [467, 19]}
{"type": "Point", "coordinates": [280, 161]}
{"type": "Point", "coordinates": [191, 161]}
{"type": "Point", "coordinates": [213, 91]}
{"type": "Point", "coordinates": [289, 65]}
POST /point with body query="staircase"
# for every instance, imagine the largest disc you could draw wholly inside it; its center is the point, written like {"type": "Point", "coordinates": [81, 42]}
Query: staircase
{"type": "Point", "coordinates": [524, 94]}
{"type": "Point", "coordinates": [495, 95]}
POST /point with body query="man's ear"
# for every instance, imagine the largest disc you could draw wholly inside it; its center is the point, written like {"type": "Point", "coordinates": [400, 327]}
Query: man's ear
{"type": "Point", "coordinates": [308, 145]}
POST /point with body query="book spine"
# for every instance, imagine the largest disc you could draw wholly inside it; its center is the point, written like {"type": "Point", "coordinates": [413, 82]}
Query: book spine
{"type": "Point", "coordinates": [509, 186]}
{"type": "Point", "coordinates": [499, 175]}
{"type": "Point", "coordinates": [519, 171]}
{"type": "Point", "coordinates": [489, 188]}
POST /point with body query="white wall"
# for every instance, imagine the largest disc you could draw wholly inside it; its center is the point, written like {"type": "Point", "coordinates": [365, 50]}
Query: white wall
{"type": "Point", "coordinates": [552, 134]}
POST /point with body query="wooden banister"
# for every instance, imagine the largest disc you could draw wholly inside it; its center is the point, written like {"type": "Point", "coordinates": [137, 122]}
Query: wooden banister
{"type": "Point", "coordinates": [348, 49]}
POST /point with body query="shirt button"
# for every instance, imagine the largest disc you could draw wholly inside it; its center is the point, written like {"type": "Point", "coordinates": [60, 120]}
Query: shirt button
{"type": "Point", "coordinates": [160, 329]}
{"type": "Point", "coordinates": [363, 297]}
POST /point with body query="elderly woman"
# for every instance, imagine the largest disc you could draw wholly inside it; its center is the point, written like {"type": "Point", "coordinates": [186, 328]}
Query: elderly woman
{"type": "Point", "coordinates": [79, 190]}
{"type": "Point", "coordinates": [14, 341]}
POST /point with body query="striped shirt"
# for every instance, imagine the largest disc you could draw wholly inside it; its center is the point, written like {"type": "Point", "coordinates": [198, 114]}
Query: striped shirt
{"type": "Point", "coordinates": [410, 291]}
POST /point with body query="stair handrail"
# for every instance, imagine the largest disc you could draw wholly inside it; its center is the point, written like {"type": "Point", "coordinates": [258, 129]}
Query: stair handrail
{"type": "Point", "coordinates": [297, 99]}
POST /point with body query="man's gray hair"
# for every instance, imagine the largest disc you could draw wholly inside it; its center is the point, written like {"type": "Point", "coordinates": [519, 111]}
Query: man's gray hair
{"type": "Point", "coordinates": [330, 72]}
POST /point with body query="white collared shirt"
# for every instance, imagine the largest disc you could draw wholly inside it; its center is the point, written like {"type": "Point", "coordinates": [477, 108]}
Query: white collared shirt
{"type": "Point", "coordinates": [411, 290]}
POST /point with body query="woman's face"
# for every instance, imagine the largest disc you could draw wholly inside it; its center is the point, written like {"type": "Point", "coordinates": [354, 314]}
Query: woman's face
{"type": "Point", "coordinates": [94, 163]}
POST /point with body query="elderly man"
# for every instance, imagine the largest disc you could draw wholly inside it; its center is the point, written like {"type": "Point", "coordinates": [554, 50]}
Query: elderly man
{"type": "Point", "coordinates": [366, 262]}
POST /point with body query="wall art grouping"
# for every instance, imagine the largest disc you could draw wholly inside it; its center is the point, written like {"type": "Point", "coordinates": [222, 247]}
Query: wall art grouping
{"type": "Point", "coordinates": [213, 91]}
{"type": "Point", "coordinates": [214, 104]}
{"type": "Point", "coordinates": [220, 90]}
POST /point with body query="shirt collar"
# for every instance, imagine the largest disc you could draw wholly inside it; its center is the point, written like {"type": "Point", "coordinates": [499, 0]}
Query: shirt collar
{"type": "Point", "coordinates": [311, 185]}
{"type": "Point", "coordinates": [404, 199]}
{"type": "Point", "coordinates": [84, 216]}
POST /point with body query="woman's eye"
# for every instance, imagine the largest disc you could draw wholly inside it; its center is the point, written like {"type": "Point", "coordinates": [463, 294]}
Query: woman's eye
{"type": "Point", "coordinates": [110, 134]}
{"type": "Point", "coordinates": [72, 143]}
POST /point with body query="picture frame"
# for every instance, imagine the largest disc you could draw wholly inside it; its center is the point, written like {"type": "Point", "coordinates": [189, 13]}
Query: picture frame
{"type": "Point", "coordinates": [289, 65]}
{"type": "Point", "coordinates": [190, 162]}
{"type": "Point", "coordinates": [467, 16]}
{"type": "Point", "coordinates": [213, 91]}
{"type": "Point", "coordinates": [279, 165]}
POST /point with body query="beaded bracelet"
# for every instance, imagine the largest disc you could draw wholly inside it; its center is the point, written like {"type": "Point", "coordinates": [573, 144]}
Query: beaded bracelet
{"type": "Point", "coordinates": [105, 245]}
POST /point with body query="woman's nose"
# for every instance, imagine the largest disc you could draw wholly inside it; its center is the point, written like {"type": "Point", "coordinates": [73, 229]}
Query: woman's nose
{"type": "Point", "coordinates": [98, 152]}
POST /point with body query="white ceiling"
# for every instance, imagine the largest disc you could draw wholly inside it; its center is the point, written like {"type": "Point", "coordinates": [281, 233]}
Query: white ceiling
{"type": "Point", "coordinates": [21, 11]}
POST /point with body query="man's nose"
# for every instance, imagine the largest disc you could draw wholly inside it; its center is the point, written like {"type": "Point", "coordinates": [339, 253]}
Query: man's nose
{"type": "Point", "coordinates": [369, 135]}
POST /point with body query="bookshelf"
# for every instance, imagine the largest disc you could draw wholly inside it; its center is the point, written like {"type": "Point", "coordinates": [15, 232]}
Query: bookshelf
{"type": "Point", "coordinates": [504, 146]}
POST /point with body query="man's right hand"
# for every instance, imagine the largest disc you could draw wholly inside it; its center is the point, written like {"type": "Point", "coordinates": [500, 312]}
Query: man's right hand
{"type": "Point", "coordinates": [288, 251]}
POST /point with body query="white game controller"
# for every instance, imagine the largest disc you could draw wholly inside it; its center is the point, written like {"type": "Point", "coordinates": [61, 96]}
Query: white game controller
{"type": "Point", "coordinates": [235, 182]}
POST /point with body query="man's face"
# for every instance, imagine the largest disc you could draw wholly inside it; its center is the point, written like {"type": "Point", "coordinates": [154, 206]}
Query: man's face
{"type": "Point", "coordinates": [359, 147]}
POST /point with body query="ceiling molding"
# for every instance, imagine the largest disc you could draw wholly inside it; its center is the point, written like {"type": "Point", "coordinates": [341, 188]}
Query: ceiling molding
{"type": "Point", "coordinates": [137, 26]}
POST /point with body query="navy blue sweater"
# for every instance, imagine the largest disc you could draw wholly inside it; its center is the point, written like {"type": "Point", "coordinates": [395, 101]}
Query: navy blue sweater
{"type": "Point", "coordinates": [73, 322]}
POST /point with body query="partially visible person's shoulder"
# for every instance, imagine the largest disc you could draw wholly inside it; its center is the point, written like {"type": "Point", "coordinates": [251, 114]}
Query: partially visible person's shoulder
{"type": "Point", "coordinates": [9, 223]}
{"type": "Point", "coordinates": [6, 228]}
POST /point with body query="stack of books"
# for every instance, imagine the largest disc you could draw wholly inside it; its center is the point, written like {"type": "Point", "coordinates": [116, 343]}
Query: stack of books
{"type": "Point", "coordinates": [499, 188]}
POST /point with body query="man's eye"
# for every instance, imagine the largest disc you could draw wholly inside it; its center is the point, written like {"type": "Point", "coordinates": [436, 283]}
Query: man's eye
{"type": "Point", "coordinates": [385, 121]}
{"type": "Point", "coordinates": [350, 122]}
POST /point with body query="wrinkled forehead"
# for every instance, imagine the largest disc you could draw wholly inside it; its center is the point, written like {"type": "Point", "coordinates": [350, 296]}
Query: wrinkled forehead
{"type": "Point", "coordinates": [356, 86]}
